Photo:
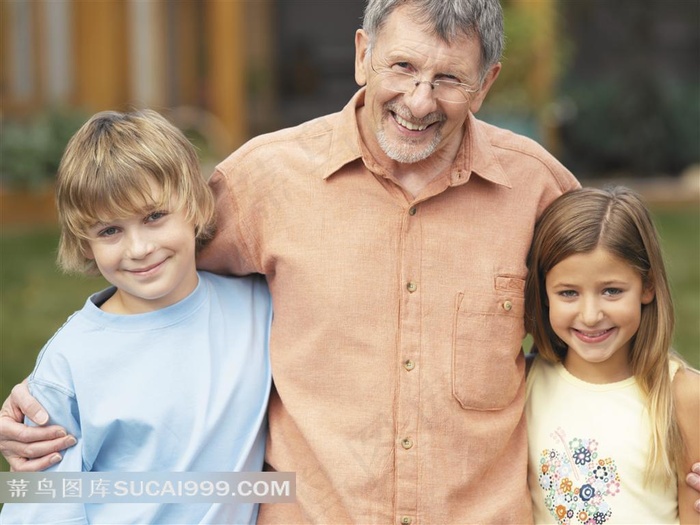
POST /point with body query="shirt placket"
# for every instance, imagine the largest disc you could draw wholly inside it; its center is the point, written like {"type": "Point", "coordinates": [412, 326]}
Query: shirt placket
{"type": "Point", "coordinates": [407, 440]}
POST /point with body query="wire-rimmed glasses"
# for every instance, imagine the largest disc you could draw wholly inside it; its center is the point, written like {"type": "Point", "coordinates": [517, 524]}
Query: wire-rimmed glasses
{"type": "Point", "coordinates": [446, 90]}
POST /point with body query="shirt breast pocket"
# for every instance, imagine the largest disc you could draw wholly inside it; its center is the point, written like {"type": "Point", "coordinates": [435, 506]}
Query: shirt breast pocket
{"type": "Point", "coordinates": [488, 331]}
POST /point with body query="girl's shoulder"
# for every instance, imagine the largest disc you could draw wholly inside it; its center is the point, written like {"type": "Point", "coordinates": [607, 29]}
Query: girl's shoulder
{"type": "Point", "coordinates": [686, 392]}
{"type": "Point", "coordinates": [535, 362]}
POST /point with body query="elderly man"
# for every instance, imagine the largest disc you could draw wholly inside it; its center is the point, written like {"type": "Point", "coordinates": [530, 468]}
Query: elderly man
{"type": "Point", "coordinates": [393, 235]}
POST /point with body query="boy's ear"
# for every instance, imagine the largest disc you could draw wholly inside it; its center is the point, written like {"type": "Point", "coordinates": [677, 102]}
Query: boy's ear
{"type": "Point", "coordinates": [87, 252]}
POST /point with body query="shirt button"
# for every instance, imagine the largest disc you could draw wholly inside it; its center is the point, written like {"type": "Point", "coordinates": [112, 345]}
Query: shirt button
{"type": "Point", "coordinates": [406, 443]}
{"type": "Point", "coordinates": [406, 520]}
{"type": "Point", "coordinates": [507, 306]}
{"type": "Point", "coordinates": [412, 211]}
{"type": "Point", "coordinates": [411, 286]}
{"type": "Point", "coordinates": [409, 365]}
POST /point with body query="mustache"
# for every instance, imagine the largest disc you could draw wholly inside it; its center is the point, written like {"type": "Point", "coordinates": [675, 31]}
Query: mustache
{"type": "Point", "coordinates": [402, 111]}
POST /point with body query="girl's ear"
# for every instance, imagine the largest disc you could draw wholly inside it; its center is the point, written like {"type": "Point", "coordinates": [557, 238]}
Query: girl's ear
{"type": "Point", "coordinates": [648, 293]}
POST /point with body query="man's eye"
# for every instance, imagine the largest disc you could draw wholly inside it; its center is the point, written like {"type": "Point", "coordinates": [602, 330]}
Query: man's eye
{"type": "Point", "coordinates": [448, 82]}
{"type": "Point", "coordinates": [403, 67]}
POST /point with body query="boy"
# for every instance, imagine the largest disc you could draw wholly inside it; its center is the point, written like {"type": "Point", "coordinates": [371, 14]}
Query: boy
{"type": "Point", "coordinates": [133, 206]}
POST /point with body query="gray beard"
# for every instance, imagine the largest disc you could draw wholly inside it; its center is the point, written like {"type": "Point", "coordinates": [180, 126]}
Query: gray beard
{"type": "Point", "coordinates": [406, 152]}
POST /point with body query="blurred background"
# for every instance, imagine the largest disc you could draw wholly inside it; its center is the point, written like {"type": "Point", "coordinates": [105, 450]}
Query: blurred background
{"type": "Point", "coordinates": [610, 88]}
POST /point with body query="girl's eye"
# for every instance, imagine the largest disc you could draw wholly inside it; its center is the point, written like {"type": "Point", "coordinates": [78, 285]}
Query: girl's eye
{"type": "Point", "coordinates": [612, 291]}
{"type": "Point", "coordinates": [567, 293]}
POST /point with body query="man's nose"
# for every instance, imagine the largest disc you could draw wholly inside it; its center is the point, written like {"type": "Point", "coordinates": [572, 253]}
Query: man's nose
{"type": "Point", "coordinates": [421, 100]}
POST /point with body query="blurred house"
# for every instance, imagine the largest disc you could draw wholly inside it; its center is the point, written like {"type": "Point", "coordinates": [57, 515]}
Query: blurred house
{"type": "Point", "coordinates": [580, 77]}
{"type": "Point", "coordinates": [230, 69]}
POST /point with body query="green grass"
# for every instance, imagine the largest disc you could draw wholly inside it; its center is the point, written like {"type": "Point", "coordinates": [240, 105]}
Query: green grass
{"type": "Point", "coordinates": [36, 298]}
{"type": "Point", "coordinates": [679, 230]}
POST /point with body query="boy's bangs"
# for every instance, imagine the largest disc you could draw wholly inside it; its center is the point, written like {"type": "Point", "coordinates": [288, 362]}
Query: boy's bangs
{"type": "Point", "coordinates": [119, 198]}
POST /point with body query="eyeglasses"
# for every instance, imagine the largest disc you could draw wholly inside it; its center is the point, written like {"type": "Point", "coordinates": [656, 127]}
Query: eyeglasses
{"type": "Point", "coordinates": [445, 90]}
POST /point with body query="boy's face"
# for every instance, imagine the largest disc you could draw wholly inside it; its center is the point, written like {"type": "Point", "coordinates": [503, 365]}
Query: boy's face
{"type": "Point", "coordinates": [149, 257]}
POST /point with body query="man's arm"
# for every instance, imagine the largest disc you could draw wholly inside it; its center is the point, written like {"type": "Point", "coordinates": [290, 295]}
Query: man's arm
{"type": "Point", "coordinates": [27, 448]}
{"type": "Point", "coordinates": [65, 512]}
{"type": "Point", "coordinates": [686, 394]}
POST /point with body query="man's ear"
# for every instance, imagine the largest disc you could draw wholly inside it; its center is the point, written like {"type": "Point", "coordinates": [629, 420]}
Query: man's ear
{"type": "Point", "coordinates": [479, 96]}
{"type": "Point", "coordinates": [361, 50]}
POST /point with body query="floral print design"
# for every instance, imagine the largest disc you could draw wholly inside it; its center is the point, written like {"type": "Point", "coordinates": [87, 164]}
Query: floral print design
{"type": "Point", "coordinates": [577, 481]}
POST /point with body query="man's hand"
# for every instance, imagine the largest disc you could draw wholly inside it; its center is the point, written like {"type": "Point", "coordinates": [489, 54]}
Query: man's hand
{"type": "Point", "coordinates": [26, 448]}
{"type": "Point", "coordinates": [693, 480]}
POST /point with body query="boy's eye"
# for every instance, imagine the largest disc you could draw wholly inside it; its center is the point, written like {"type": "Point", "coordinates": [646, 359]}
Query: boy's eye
{"type": "Point", "coordinates": [152, 217]}
{"type": "Point", "coordinates": [107, 232]}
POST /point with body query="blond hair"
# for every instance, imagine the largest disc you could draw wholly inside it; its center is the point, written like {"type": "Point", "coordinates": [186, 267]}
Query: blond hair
{"type": "Point", "coordinates": [107, 170]}
{"type": "Point", "coordinates": [617, 220]}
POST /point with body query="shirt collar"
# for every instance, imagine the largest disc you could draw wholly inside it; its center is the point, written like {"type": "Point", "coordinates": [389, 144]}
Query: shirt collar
{"type": "Point", "coordinates": [475, 156]}
{"type": "Point", "coordinates": [478, 156]}
{"type": "Point", "coordinates": [345, 142]}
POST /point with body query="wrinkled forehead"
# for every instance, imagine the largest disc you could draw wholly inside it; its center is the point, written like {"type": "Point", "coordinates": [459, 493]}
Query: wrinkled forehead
{"type": "Point", "coordinates": [407, 38]}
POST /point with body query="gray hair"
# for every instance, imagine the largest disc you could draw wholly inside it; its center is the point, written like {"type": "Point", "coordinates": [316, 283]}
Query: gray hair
{"type": "Point", "coordinates": [449, 19]}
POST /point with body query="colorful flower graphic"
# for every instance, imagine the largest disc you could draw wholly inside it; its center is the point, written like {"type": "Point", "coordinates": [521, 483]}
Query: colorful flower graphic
{"type": "Point", "coordinates": [586, 481]}
{"type": "Point", "coordinates": [565, 485]}
{"type": "Point", "coordinates": [587, 492]}
{"type": "Point", "coordinates": [582, 456]}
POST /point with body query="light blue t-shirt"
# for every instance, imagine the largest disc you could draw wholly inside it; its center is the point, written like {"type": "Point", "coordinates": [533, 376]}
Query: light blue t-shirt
{"type": "Point", "coordinates": [180, 389]}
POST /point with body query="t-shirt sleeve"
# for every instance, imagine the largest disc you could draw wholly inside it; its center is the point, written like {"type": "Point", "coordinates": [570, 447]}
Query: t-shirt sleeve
{"type": "Point", "coordinates": [63, 410]}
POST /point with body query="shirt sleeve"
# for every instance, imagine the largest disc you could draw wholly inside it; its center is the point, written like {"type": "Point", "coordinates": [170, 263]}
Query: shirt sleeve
{"type": "Point", "coordinates": [63, 410]}
{"type": "Point", "coordinates": [227, 253]}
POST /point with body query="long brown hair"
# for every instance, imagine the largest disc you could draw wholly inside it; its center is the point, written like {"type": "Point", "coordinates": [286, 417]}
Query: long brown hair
{"type": "Point", "coordinates": [617, 220]}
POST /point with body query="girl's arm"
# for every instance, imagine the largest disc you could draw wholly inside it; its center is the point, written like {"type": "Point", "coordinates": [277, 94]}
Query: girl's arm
{"type": "Point", "coordinates": [686, 393]}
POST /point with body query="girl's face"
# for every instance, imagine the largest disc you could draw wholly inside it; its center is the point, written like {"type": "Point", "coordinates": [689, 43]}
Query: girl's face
{"type": "Point", "coordinates": [595, 304]}
{"type": "Point", "coordinates": [149, 257]}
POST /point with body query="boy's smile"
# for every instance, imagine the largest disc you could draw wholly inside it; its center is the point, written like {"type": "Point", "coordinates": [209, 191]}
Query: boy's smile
{"type": "Point", "coordinates": [149, 257]}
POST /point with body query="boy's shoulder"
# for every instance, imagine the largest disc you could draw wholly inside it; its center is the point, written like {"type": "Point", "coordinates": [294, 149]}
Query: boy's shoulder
{"type": "Point", "coordinates": [233, 287]}
{"type": "Point", "coordinates": [66, 346]}
{"type": "Point", "coordinates": [253, 281]}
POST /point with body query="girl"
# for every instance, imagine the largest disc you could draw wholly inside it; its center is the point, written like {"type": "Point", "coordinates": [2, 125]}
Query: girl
{"type": "Point", "coordinates": [613, 413]}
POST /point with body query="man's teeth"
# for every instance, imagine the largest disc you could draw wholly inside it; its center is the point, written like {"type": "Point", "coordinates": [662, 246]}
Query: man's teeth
{"type": "Point", "coordinates": [409, 125]}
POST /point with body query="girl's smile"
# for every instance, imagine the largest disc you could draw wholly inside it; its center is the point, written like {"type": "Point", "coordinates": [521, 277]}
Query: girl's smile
{"type": "Point", "coordinates": [595, 304]}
